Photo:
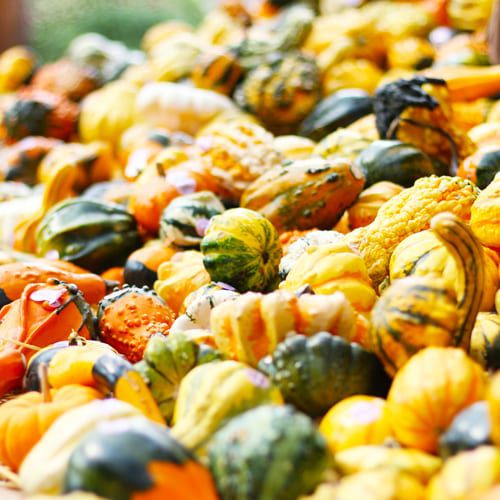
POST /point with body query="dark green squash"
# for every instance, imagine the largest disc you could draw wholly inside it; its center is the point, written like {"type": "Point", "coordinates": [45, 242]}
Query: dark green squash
{"type": "Point", "coordinates": [313, 373]}
{"type": "Point", "coordinates": [185, 219]}
{"type": "Point", "coordinates": [470, 429]}
{"type": "Point", "coordinates": [268, 453]}
{"type": "Point", "coordinates": [166, 361]}
{"type": "Point", "coordinates": [90, 233]}
{"type": "Point", "coordinates": [487, 168]}
{"type": "Point", "coordinates": [335, 111]}
{"type": "Point", "coordinates": [394, 161]}
{"type": "Point", "coordinates": [128, 457]}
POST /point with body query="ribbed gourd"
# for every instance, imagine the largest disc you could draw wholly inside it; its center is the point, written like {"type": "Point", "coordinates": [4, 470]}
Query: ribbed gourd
{"type": "Point", "coordinates": [186, 218]}
{"type": "Point", "coordinates": [403, 321]}
{"type": "Point", "coordinates": [251, 326]}
{"type": "Point", "coordinates": [241, 248]}
{"type": "Point", "coordinates": [305, 194]}
{"type": "Point", "coordinates": [213, 393]}
{"type": "Point", "coordinates": [314, 373]}
{"type": "Point", "coordinates": [410, 212]}
{"type": "Point", "coordinates": [333, 268]}
{"type": "Point", "coordinates": [89, 233]}
{"type": "Point", "coordinates": [283, 92]}
{"type": "Point", "coordinates": [268, 453]}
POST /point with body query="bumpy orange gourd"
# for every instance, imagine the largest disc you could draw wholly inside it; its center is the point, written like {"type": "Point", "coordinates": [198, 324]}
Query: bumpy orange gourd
{"type": "Point", "coordinates": [426, 394]}
{"type": "Point", "coordinates": [24, 419]}
{"type": "Point", "coordinates": [356, 421]}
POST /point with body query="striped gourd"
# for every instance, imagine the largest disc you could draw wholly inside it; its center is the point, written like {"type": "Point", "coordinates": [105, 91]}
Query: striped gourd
{"type": "Point", "coordinates": [219, 71]}
{"type": "Point", "coordinates": [270, 452]}
{"type": "Point", "coordinates": [251, 326]}
{"type": "Point", "coordinates": [283, 92]}
{"type": "Point", "coordinates": [186, 218]}
{"type": "Point", "coordinates": [420, 311]}
{"type": "Point", "coordinates": [241, 248]}
{"type": "Point", "coordinates": [213, 393]}
{"type": "Point", "coordinates": [485, 341]}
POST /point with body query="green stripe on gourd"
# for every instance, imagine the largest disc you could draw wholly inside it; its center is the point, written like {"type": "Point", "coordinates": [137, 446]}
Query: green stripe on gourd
{"type": "Point", "coordinates": [241, 248]}
{"type": "Point", "coordinates": [186, 218]}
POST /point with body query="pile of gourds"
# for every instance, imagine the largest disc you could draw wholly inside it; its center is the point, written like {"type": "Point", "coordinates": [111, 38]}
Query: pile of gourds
{"type": "Point", "coordinates": [256, 260]}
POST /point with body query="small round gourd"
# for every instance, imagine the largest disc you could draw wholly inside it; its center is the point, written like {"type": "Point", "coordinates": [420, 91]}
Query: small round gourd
{"type": "Point", "coordinates": [186, 218]}
{"type": "Point", "coordinates": [241, 248]}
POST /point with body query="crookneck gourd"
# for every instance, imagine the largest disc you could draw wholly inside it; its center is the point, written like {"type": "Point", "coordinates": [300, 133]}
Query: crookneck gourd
{"type": "Point", "coordinates": [420, 311]}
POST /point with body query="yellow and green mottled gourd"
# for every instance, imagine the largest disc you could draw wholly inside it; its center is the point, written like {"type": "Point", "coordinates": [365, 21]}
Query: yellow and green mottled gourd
{"type": "Point", "coordinates": [212, 394]}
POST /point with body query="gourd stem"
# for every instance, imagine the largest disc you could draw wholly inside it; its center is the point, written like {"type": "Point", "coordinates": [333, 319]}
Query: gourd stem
{"type": "Point", "coordinates": [469, 257]}
{"type": "Point", "coordinates": [43, 375]}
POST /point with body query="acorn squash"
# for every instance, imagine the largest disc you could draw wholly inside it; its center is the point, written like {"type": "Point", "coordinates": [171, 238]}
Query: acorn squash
{"type": "Point", "coordinates": [314, 373]}
{"type": "Point", "coordinates": [241, 248]}
{"type": "Point", "coordinates": [335, 111]}
{"type": "Point", "coordinates": [166, 361]}
{"type": "Point", "coordinates": [135, 458]}
{"type": "Point", "coordinates": [393, 161]}
{"type": "Point", "coordinates": [269, 452]}
{"type": "Point", "coordinates": [89, 233]}
{"type": "Point", "coordinates": [470, 429]}
{"type": "Point", "coordinates": [213, 393]}
{"type": "Point", "coordinates": [305, 194]}
{"type": "Point", "coordinates": [186, 218]}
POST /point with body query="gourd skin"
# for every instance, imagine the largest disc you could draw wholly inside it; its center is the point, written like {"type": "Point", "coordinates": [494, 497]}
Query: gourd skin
{"type": "Point", "coordinates": [485, 341]}
{"type": "Point", "coordinates": [410, 212]}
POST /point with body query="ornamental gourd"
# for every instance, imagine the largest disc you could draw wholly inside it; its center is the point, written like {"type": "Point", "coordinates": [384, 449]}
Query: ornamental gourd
{"type": "Point", "coordinates": [418, 464]}
{"type": "Point", "coordinates": [178, 277]}
{"type": "Point", "coordinates": [425, 253]}
{"type": "Point", "coordinates": [493, 398]}
{"type": "Point", "coordinates": [410, 212]}
{"type": "Point", "coordinates": [24, 419]}
{"type": "Point", "coordinates": [88, 233]}
{"type": "Point", "coordinates": [485, 341]}
{"type": "Point", "coordinates": [241, 248]}
{"type": "Point", "coordinates": [402, 322]}
{"type": "Point", "coordinates": [297, 78]}
{"type": "Point", "coordinates": [305, 194]}
{"type": "Point", "coordinates": [186, 218]}
{"type": "Point", "coordinates": [286, 454]}
{"type": "Point", "coordinates": [429, 391]}
{"type": "Point", "coordinates": [251, 326]}
{"type": "Point", "coordinates": [343, 143]}
{"type": "Point", "coordinates": [369, 202]}
{"type": "Point", "coordinates": [43, 468]}
{"type": "Point", "coordinates": [485, 215]}
{"type": "Point", "coordinates": [356, 421]}
{"type": "Point", "coordinates": [16, 67]}
{"type": "Point", "coordinates": [467, 474]}
{"type": "Point", "coordinates": [128, 317]}
{"type": "Point", "coordinates": [161, 467]}
{"type": "Point", "coordinates": [470, 429]}
{"type": "Point", "coordinates": [314, 373]}
{"type": "Point", "coordinates": [212, 394]}
{"type": "Point", "coordinates": [166, 361]}
{"type": "Point", "coordinates": [393, 161]}
{"type": "Point", "coordinates": [333, 268]}
{"type": "Point", "coordinates": [482, 166]}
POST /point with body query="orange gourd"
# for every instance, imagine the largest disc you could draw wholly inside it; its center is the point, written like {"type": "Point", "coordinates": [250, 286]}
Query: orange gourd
{"type": "Point", "coordinates": [428, 391]}
{"type": "Point", "coordinates": [25, 419]}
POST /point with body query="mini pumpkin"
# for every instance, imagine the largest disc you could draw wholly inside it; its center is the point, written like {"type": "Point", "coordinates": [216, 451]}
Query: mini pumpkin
{"type": "Point", "coordinates": [251, 326]}
{"type": "Point", "coordinates": [128, 317]}
{"type": "Point", "coordinates": [24, 419]}
{"type": "Point", "coordinates": [429, 391]}
{"type": "Point", "coordinates": [305, 194]}
{"type": "Point", "coordinates": [356, 421]}
{"type": "Point", "coordinates": [241, 248]}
